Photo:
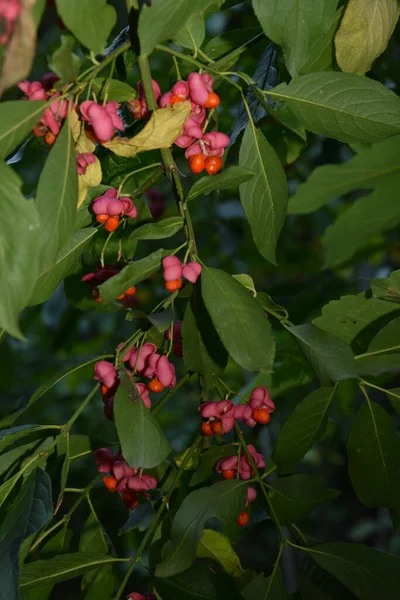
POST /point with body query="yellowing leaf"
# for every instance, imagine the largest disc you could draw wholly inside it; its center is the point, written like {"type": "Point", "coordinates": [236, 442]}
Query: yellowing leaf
{"type": "Point", "coordinates": [21, 49]}
{"type": "Point", "coordinates": [93, 175]}
{"type": "Point", "coordinates": [217, 546]}
{"type": "Point", "coordinates": [164, 126]}
{"type": "Point", "coordinates": [91, 178]}
{"type": "Point", "coordinates": [82, 142]}
{"type": "Point", "coordinates": [364, 33]}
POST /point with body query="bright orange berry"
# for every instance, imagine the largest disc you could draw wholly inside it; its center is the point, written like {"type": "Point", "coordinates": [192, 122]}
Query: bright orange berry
{"type": "Point", "coordinates": [228, 474]}
{"type": "Point", "coordinates": [130, 500]}
{"type": "Point", "coordinates": [176, 99]}
{"type": "Point", "coordinates": [212, 101]}
{"type": "Point", "coordinates": [217, 428]}
{"type": "Point", "coordinates": [102, 218]}
{"type": "Point", "coordinates": [243, 519]}
{"type": "Point", "coordinates": [110, 483]}
{"type": "Point", "coordinates": [40, 130]}
{"type": "Point", "coordinates": [206, 429]}
{"type": "Point", "coordinates": [261, 415]}
{"type": "Point", "coordinates": [173, 285]}
{"type": "Point", "coordinates": [213, 164]}
{"type": "Point", "coordinates": [111, 224]}
{"type": "Point", "coordinates": [155, 386]}
{"type": "Point", "coordinates": [49, 138]}
{"type": "Point", "coordinates": [131, 291]}
{"type": "Point", "coordinates": [197, 163]}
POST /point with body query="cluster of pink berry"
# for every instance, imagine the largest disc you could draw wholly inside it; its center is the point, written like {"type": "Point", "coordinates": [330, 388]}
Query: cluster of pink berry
{"type": "Point", "coordinates": [219, 416]}
{"type": "Point", "coordinates": [9, 13]}
{"type": "Point", "coordinates": [137, 596]}
{"type": "Point", "coordinates": [144, 361]}
{"type": "Point", "coordinates": [174, 270]}
{"type": "Point", "coordinates": [203, 150]}
{"type": "Point", "coordinates": [109, 207]}
{"type": "Point", "coordinates": [240, 467]}
{"type": "Point", "coordinates": [122, 478]}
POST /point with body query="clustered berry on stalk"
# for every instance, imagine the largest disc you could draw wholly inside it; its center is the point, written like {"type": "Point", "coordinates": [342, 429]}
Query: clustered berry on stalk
{"type": "Point", "coordinates": [203, 150]}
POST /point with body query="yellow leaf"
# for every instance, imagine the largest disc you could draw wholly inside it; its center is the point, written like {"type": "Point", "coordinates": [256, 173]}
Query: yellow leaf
{"type": "Point", "coordinates": [364, 33]}
{"type": "Point", "coordinates": [164, 126]}
{"type": "Point", "coordinates": [82, 142]}
{"type": "Point", "coordinates": [218, 547]}
{"type": "Point", "coordinates": [91, 178]}
{"type": "Point", "coordinates": [20, 52]}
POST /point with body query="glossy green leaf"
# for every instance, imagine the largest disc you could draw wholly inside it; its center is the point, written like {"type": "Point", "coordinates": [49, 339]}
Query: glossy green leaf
{"type": "Point", "coordinates": [299, 26]}
{"type": "Point", "coordinates": [295, 497]}
{"type": "Point", "coordinates": [357, 43]}
{"type": "Point", "coordinates": [303, 429]}
{"type": "Point", "coordinates": [350, 315]}
{"type": "Point", "coordinates": [17, 120]}
{"type": "Point", "coordinates": [217, 547]}
{"type": "Point", "coordinates": [91, 21]}
{"type": "Point", "coordinates": [14, 434]}
{"type": "Point", "coordinates": [163, 20]}
{"type": "Point", "coordinates": [330, 357]}
{"type": "Point", "coordinates": [373, 450]}
{"type": "Point", "coordinates": [143, 442]}
{"type": "Point", "coordinates": [347, 107]}
{"type": "Point", "coordinates": [117, 91]}
{"type": "Point", "coordinates": [19, 246]}
{"type": "Point", "coordinates": [56, 198]}
{"type": "Point", "coordinates": [193, 34]}
{"type": "Point", "coordinates": [48, 282]}
{"type": "Point", "coordinates": [27, 514]}
{"type": "Point", "coordinates": [239, 320]}
{"type": "Point", "coordinates": [264, 197]}
{"type": "Point", "coordinates": [202, 348]}
{"type": "Point", "coordinates": [61, 568]}
{"type": "Point", "coordinates": [387, 287]}
{"type": "Point", "coordinates": [224, 500]}
{"type": "Point", "coordinates": [368, 573]}
{"type": "Point", "coordinates": [158, 231]}
{"type": "Point", "coordinates": [230, 178]}
{"type": "Point", "coordinates": [266, 588]}
{"type": "Point", "coordinates": [133, 273]}
{"type": "Point", "coordinates": [368, 169]}
{"type": "Point", "coordinates": [64, 62]}
{"type": "Point", "coordinates": [199, 582]}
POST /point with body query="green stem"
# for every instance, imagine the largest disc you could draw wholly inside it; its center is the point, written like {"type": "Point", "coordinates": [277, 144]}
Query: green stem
{"type": "Point", "coordinates": [86, 401]}
{"type": "Point", "coordinates": [171, 393]}
{"type": "Point", "coordinates": [261, 482]}
{"type": "Point", "coordinates": [152, 529]}
{"type": "Point", "coordinates": [134, 173]}
{"type": "Point", "coordinates": [376, 387]}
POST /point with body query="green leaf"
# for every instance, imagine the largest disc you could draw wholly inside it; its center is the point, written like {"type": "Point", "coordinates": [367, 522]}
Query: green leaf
{"type": "Point", "coordinates": [229, 179]}
{"type": "Point", "coordinates": [27, 514]}
{"type": "Point", "coordinates": [266, 588]}
{"type": "Point", "coordinates": [163, 20]}
{"type": "Point", "coordinates": [295, 497]}
{"type": "Point", "coordinates": [217, 547]}
{"type": "Point", "coordinates": [272, 307]}
{"type": "Point", "coordinates": [14, 434]}
{"type": "Point", "coordinates": [202, 348]}
{"type": "Point", "coordinates": [264, 197]}
{"type": "Point", "coordinates": [350, 315]}
{"type": "Point", "coordinates": [64, 62]}
{"type": "Point", "coordinates": [347, 107]}
{"type": "Point", "coordinates": [357, 43]}
{"type": "Point", "coordinates": [199, 582]}
{"type": "Point", "coordinates": [133, 273]}
{"type": "Point", "coordinates": [299, 26]}
{"type": "Point", "coordinates": [117, 91]}
{"type": "Point", "coordinates": [239, 320]}
{"type": "Point", "coordinates": [369, 169]}
{"type": "Point", "coordinates": [17, 120]}
{"type": "Point", "coordinates": [143, 442]}
{"type": "Point", "coordinates": [193, 34]}
{"type": "Point", "coordinates": [19, 245]}
{"type": "Point", "coordinates": [158, 231]}
{"type": "Point", "coordinates": [368, 573]}
{"type": "Point", "coordinates": [56, 198]}
{"type": "Point", "coordinates": [373, 450]}
{"type": "Point", "coordinates": [387, 339]}
{"type": "Point", "coordinates": [48, 282]}
{"type": "Point", "coordinates": [387, 287]}
{"type": "Point", "coordinates": [230, 40]}
{"type": "Point", "coordinates": [224, 500]}
{"type": "Point", "coordinates": [330, 357]}
{"type": "Point", "coordinates": [61, 568]}
{"type": "Point", "coordinates": [247, 282]}
{"type": "Point", "coordinates": [208, 460]}
{"type": "Point", "coordinates": [303, 429]}
{"type": "Point", "coordinates": [91, 21]}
